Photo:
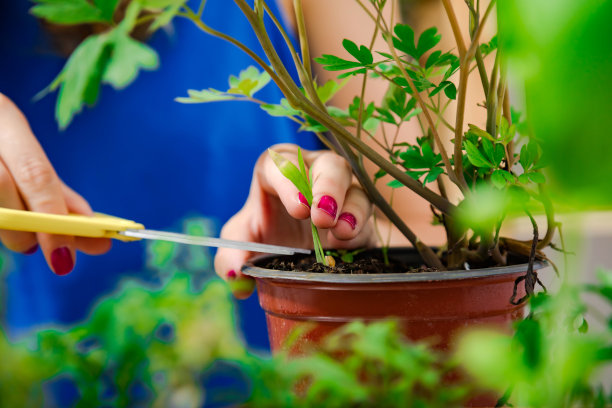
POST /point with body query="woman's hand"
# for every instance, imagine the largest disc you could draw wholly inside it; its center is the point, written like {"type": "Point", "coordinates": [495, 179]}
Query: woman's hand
{"type": "Point", "coordinates": [29, 182]}
{"type": "Point", "coordinates": [276, 213]}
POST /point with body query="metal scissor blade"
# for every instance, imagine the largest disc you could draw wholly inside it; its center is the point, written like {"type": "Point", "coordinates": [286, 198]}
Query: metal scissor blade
{"type": "Point", "coordinates": [212, 242]}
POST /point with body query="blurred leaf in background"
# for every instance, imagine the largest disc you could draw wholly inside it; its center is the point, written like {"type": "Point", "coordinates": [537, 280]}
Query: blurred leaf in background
{"type": "Point", "coordinates": [561, 48]}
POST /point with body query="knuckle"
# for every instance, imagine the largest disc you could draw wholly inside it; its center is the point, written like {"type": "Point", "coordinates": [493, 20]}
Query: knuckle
{"type": "Point", "coordinates": [35, 174]}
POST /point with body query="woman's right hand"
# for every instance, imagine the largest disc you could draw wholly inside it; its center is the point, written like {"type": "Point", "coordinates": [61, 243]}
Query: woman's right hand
{"type": "Point", "coordinates": [29, 182]}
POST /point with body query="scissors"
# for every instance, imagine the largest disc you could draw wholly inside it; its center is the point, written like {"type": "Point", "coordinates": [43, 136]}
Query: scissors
{"type": "Point", "coordinates": [107, 226]}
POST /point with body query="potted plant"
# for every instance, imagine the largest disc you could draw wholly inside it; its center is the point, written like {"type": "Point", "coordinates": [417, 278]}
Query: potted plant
{"type": "Point", "coordinates": [495, 166]}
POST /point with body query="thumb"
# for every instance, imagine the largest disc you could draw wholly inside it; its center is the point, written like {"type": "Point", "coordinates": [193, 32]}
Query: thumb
{"type": "Point", "coordinates": [228, 261]}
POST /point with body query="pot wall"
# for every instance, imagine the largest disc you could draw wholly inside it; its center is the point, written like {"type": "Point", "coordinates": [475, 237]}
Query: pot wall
{"type": "Point", "coordinates": [433, 310]}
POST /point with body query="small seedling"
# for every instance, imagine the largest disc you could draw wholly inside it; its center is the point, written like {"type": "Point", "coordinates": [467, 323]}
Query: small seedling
{"type": "Point", "coordinates": [301, 180]}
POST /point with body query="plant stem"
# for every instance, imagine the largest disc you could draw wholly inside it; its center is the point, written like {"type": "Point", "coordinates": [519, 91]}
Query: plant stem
{"type": "Point", "coordinates": [450, 12]}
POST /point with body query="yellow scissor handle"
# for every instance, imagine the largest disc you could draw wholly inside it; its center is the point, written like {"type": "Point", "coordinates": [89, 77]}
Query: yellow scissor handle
{"type": "Point", "coordinates": [96, 226]}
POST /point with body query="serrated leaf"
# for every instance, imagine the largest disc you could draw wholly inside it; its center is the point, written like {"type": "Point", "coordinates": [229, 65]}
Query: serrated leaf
{"type": "Point", "coordinates": [128, 57]}
{"type": "Point", "coordinates": [385, 115]}
{"type": "Point", "coordinates": [523, 178]}
{"type": "Point", "coordinates": [283, 109]}
{"type": "Point", "coordinates": [475, 157]}
{"type": "Point", "coordinates": [248, 82]}
{"type": "Point", "coordinates": [412, 159]}
{"type": "Point", "coordinates": [380, 173]}
{"type": "Point", "coordinates": [205, 95]}
{"type": "Point", "coordinates": [428, 39]}
{"type": "Point", "coordinates": [68, 12]}
{"type": "Point", "coordinates": [79, 80]}
{"type": "Point", "coordinates": [433, 58]}
{"type": "Point", "coordinates": [361, 53]}
{"type": "Point", "coordinates": [433, 175]}
{"type": "Point", "coordinates": [328, 90]}
{"type": "Point", "coordinates": [333, 63]}
{"type": "Point", "coordinates": [440, 87]}
{"type": "Point", "coordinates": [404, 40]}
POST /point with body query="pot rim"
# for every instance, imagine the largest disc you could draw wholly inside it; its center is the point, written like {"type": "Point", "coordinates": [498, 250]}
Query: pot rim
{"type": "Point", "coordinates": [250, 269]}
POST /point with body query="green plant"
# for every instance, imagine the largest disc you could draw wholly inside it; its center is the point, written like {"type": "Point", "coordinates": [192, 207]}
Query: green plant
{"type": "Point", "coordinates": [422, 82]}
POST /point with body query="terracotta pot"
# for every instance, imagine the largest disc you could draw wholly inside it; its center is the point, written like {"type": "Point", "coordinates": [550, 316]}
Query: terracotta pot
{"type": "Point", "coordinates": [430, 305]}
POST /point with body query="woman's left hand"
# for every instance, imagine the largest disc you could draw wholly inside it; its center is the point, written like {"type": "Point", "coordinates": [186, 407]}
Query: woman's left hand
{"type": "Point", "coordinates": [276, 213]}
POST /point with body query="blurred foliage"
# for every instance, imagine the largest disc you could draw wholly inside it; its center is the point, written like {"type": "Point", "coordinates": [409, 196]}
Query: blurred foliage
{"type": "Point", "coordinates": [560, 49]}
{"type": "Point", "coordinates": [552, 359]}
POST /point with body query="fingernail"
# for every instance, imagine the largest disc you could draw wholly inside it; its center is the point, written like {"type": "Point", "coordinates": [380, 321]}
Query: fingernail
{"type": "Point", "coordinates": [32, 250]}
{"type": "Point", "coordinates": [61, 261]}
{"type": "Point", "coordinates": [350, 218]}
{"type": "Point", "coordinates": [303, 200]}
{"type": "Point", "coordinates": [329, 205]}
{"type": "Point", "coordinates": [231, 274]}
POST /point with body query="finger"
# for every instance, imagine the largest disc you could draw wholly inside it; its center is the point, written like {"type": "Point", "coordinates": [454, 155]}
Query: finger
{"type": "Point", "coordinates": [228, 261]}
{"type": "Point", "coordinates": [78, 205]}
{"type": "Point", "coordinates": [36, 181]}
{"type": "Point", "coordinates": [353, 215]}
{"type": "Point", "coordinates": [273, 182]}
{"type": "Point", "coordinates": [331, 178]}
{"type": "Point", "coordinates": [24, 242]}
{"type": "Point", "coordinates": [365, 239]}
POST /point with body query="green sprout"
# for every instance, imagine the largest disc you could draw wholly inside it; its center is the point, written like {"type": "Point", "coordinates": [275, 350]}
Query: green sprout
{"type": "Point", "coordinates": [302, 181]}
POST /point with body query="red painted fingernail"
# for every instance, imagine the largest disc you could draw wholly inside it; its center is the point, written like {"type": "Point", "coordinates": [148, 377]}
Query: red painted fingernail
{"type": "Point", "coordinates": [61, 261]}
{"type": "Point", "coordinates": [303, 200]}
{"type": "Point", "coordinates": [32, 250]}
{"type": "Point", "coordinates": [231, 274]}
{"type": "Point", "coordinates": [350, 218]}
{"type": "Point", "coordinates": [329, 205]}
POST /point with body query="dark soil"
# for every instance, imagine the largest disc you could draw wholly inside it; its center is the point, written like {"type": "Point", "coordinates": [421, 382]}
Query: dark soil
{"type": "Point", "coordinates": [367, 262]}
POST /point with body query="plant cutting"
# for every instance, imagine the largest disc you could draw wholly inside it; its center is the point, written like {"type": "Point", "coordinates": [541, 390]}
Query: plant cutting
{"type": "Point", "coordinates": [496, 166]}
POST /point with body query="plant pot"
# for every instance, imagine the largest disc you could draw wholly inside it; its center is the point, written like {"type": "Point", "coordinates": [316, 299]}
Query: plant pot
{"type": "Point", "coordinates": [431, 305]}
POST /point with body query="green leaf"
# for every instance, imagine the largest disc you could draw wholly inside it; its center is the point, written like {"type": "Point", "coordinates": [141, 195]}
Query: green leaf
{"type": "Point", "coordinates": [481, 133]}
{"type": "Point", "coordinates": [283, 109]}
{"type": "Point", "coordinates": [489, 47]}
{"type": "Point", "coordinates": [474, 155]}
{"type": "Point", "coordinates": [499, 154]}
{"type": "Point", "coordinates": [498, 179]}
{"type": "Point", "coordinates": [428, 39]}
{"type": "Point", "coordinates": [451, 91]}
{"type": "Point", "coordinates": [487, 146]}
{"type": "Point", "coordinates": [328, 90]}
{"type": "Point", "coordinates": [68, 12]}
{"type": "Point", "coordinates": [362, 53]}
{"type": "Point", "coordinates": [404, 40]}
{"type": "Point", "coordinates": [433, 58]}
{"type": "Point", "coordinates": [536, 177]}
{"type": "Point", "coordinates": [205, 95]}
{"type": "Point", "coordinates": [433, 175]}
{"type": "Point", "coordinates": [525, 158]}
{"type": "Point", "coordinates": [333, 63]}
{"type": "Point", "coordinates": [291, 172]}
{"type": "Point", "coordinates": [107, 8]}
{"type": "Point", "coordinates": [79, 80]}
{"type": "Point", "coordinates": [128, 57]}
{"type": "Point", "coordinates": [529, 337]}
{"type": "Point", "coordinates": [249, 81]}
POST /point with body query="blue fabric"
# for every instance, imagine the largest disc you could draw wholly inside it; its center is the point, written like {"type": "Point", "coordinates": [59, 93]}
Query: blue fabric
{"type": "Point", "coordinates": [139, 155]}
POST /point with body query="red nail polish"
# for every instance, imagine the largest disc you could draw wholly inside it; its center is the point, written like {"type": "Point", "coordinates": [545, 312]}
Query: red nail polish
{"type": "Point", "coordinates": [32, 250]}
{"type": "Point", "coordinates": [231, 274]}
{"type": "Point", "coordinates": [61, 261]}
{"type": "Point", "coordinates": [328, 205]}
{"type": "Point", "coordinates": [350, 218]}
{"type": "Point", "coordinates": [303, 200]}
